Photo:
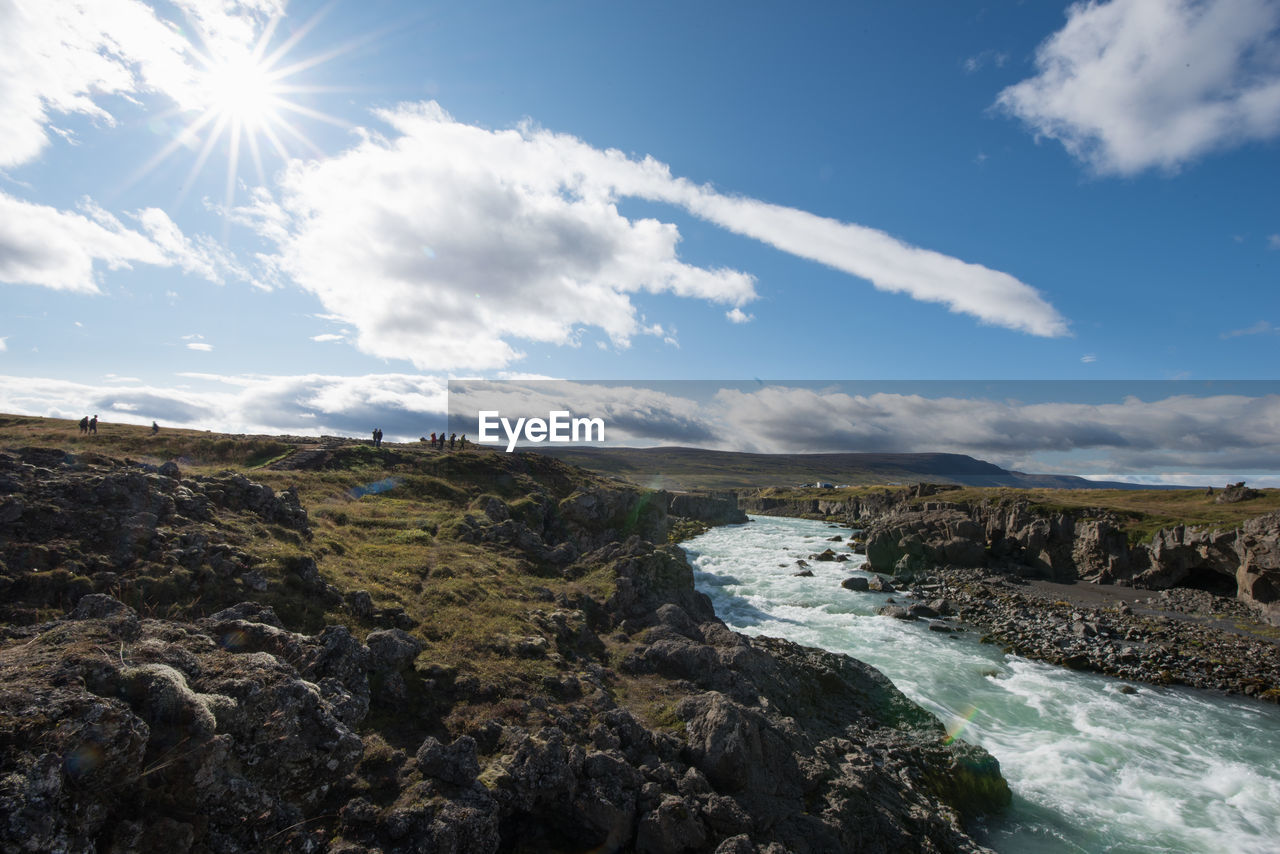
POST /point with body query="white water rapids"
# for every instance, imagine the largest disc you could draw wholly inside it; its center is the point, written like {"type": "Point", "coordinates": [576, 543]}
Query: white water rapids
{"type": "Point", "coordinates": [1092, 769]}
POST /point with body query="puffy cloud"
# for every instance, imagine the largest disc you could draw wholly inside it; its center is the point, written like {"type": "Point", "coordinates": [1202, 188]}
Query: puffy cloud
{"type": "Point", "coordinates": [201, 346]}
{"type": "Point", "coordinates": [737, 315]}
{"type": "Point", "coordinates": [404, 406]}
{"type": "Point", "coordinates": [1134, 84]}
{"type": "Point", "coordinates": [42, 245]}
{"type": "Point", "coordinates": [448, 244]}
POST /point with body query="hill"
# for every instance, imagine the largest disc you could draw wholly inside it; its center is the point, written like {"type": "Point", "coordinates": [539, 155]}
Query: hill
{"type": "Point", "coordinates": [698, 468]}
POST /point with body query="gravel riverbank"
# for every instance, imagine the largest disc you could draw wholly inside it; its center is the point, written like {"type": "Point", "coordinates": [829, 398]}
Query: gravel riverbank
{"type": "Point", "coordinates": [1175, 637]}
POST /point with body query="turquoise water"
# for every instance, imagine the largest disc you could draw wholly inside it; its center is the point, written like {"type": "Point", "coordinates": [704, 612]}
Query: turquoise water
{"type": "Point", "coordinates": [1092, 769]}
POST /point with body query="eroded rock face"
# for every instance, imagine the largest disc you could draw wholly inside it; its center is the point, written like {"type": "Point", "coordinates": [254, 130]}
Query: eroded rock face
{"type": "Point", "coordinates": [1088, 546]}
{"type": "Point", "coordinates": [712, 508]}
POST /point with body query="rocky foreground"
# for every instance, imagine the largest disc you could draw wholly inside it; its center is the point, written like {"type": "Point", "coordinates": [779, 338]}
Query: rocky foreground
{"type": "Point", "coordinates": [181, 670]}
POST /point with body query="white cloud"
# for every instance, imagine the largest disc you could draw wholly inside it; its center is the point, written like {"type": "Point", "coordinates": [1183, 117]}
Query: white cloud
{"type": "Point", "coordinates": [41, 245]}
{"type": "Point", "coordinates": [197, 345]}
{"type": "Point", "coordinates": [447, 244]}
{"type": "Point", "coordinates": [526, 243]}
{"type": "Point", "coordinates": [1089, 358]}
{"type": "Point", "coordinates": [737, 315]}
{"type": "Point", "coordinates": [1262, 327]}
{"type": "Point", "coordinates": [1135, 84]}
{"type": "Point", "coordinates": [3, 346]}
{"type": "Point", "coordinates": [327, 336]}
{"type": "Point", "coordinates": [203, 256]}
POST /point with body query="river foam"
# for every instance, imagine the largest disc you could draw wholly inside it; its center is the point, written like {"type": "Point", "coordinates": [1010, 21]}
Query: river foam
{"type": "Point", "coordinates": [1093, 769]}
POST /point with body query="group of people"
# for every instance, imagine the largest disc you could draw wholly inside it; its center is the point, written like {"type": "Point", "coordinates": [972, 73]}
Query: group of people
{"type": "Point", "coordinates": [89, 425]}
{"type": "Point", "coordinates": [438, 441]}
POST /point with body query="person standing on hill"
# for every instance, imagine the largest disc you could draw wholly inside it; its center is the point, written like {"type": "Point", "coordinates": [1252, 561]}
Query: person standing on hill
{"type": "Point", "coordinates": [453, 437]}
{"type": "Point", "coordinates": [155, 428]}
{"type": "Point", "coordinates": [84, 425]}
{"type": "Point", "coordinates": [93, 425]}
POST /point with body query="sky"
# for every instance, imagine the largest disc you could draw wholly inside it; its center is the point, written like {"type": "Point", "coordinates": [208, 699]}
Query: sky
{"type": "Point", "coordinates": [304, 217]}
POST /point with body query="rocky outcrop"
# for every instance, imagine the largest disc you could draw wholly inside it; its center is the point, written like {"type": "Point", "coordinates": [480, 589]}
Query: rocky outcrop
{"type": "Point", "coordinates": [853, 510]}
{"type": "Point", "coordinates": [714, 508]}
{"type": "Point", "coordinates": [72, 525]}
{"type": "Point", "coordinates": [1086, 545]}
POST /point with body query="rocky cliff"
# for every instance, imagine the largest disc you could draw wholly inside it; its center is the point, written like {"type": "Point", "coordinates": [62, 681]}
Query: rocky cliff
{"type": "Point", "coordinates": [906, 538]}
{"type": "Point", "coordinates": [191, 662]}
{"type": "Point", "coordinates": [711, 508]}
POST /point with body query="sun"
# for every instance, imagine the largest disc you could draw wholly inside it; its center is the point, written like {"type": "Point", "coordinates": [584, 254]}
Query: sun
{"type": "Point", "coordinates": [245, 97]}
{"type": "Point", "coordinates": [243, 90]}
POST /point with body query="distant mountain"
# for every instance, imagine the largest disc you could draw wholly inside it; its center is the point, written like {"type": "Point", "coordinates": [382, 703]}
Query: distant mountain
{"type": "Point", "coordinates": [698, 468]}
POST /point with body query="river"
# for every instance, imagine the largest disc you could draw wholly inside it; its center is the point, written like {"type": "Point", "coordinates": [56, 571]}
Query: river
{"type": "Point", "coordinates": [1092, 769]}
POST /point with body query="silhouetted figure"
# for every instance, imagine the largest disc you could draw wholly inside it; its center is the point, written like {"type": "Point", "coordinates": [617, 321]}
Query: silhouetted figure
{"type": "Point", "coordinates": [84, 425]}
{"type": "Point", "coordinates": [440, 441]}
{"type": "Point", "coordinates": [464, 442]}
{"type": "Point", "coordinates": [155, 428]}
{"type": "Point", "coordinates": [377, 437]}
{"type": "Point", "coordinates": [453, 437]}
{"type": "Point", "coordinates": [93, 425]}
{"type": "Point", "coordinates": [433, 440]}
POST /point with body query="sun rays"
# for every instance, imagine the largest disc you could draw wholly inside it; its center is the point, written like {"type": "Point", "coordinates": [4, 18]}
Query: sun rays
{"type": "Point", "coordinates": [242, 98]}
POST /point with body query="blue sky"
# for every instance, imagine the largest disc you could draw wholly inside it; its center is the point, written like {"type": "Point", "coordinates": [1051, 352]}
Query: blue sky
{"type": "Point", "coordinates": [937, 191]}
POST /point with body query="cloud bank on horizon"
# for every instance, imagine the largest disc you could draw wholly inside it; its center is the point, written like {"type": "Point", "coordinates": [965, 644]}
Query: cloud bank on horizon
{"type": "Point", "coordinates": [1172, 429]}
